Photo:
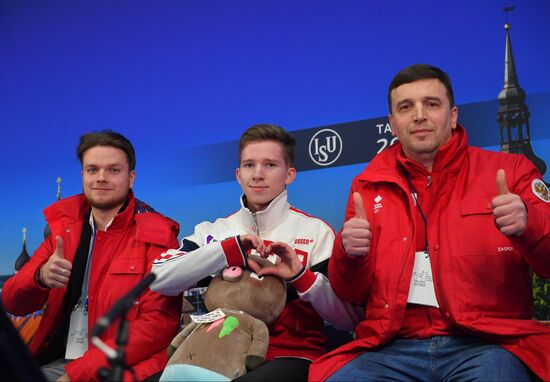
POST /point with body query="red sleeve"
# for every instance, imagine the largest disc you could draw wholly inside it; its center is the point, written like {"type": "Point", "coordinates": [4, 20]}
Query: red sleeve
{"type": "Point", "coordinates": [233, 252]}
{"type": "Point", "coordinates": [21, 293]}
{"type": "Point", "coordinates": [534, 243]}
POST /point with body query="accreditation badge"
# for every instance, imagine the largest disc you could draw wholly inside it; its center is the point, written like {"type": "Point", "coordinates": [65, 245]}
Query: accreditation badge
{"type": "Point", "coordinates": [422, 290]}
{"type": "Point", "coordinates": [77, 339]}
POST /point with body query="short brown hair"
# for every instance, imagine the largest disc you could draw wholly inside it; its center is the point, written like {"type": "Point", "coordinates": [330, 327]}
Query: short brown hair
{"type": "Point", "coordinates": [418, 72]}
{"type": "Point", "coordinates": [268, 132]}
{"type": "Point", "coordinates": [107, 138]}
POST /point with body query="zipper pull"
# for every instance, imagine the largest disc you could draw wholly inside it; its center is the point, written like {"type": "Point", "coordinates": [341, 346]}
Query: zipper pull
{"type": "Point", "coordinates": [255, 228]}
{"type": "Point", "coordinates": [429, 181]}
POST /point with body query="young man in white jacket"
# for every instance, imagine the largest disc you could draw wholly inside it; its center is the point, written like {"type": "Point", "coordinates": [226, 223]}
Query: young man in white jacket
{"type": "Point", "coordinates": [268, 223]}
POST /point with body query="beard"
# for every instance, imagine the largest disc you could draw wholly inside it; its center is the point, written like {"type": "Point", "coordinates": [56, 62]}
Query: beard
{"type": "Point", "coordinates": [107, 204]}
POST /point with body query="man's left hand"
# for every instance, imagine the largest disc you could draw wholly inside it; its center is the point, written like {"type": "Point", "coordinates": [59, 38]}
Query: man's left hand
{"type": "Point", "coordinates": [508, 209]}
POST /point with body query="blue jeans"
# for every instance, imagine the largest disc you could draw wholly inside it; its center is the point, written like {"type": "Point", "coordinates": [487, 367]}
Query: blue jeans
{"type": "Point", "coordinates": [441, 358]}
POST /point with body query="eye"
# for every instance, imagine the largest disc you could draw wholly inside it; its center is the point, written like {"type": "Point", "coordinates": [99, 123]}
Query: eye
{"type": "Point", "coordinates": [247, 165]}
{"type": "Point", "coordinates": [115, 170]}
{"type": "Point", "coordinates": [432, 104]}
{"type": "Point", "coordinates": [404, 107]}
{"type": "Point", "coordinates": [271, 164]}
{"type": "Point", "coordinates": [91, 170]}
{"type": "Point", "coordinates": [256, 276]}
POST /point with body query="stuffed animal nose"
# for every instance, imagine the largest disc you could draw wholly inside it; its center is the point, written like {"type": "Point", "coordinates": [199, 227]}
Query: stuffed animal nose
{"type": "Point", "coordinates": [232, 273]}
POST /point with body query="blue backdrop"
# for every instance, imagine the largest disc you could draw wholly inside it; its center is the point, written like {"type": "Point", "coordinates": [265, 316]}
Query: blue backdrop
{"type": "Point", "coordinates": [182, 79]}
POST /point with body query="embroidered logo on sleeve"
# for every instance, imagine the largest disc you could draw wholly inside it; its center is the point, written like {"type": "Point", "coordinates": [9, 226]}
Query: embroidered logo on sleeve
{"type": "Point", "coordinates": [167, 256]}
{"type": "Point", "coordinates": [540, 190]}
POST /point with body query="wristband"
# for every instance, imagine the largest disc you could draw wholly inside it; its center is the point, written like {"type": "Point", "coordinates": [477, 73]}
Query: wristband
{"type": "Point", "coordinates": [243, 250]}
{"type": "Point", "coordinates": [296, 276]}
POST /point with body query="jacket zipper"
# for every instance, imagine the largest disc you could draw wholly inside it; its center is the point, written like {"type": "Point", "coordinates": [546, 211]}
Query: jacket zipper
{"type": "Point", "coordinates": [255, 227]}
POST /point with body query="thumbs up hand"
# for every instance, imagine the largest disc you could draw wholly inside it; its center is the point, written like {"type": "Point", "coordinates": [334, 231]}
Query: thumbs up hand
{"type": "Point", "coordinates": [56, 271]}
{"type": "Point", "coordinates": [356, 234]}
{"type": "Point", "coordinates": [508, 209]}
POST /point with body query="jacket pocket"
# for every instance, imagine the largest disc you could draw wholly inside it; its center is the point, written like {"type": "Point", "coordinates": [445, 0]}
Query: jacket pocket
{"type": "Point", "coordinates": [127, 266]}
{"type": "Point", "coordinates": [125, 274]}
{"type": "Point", "coordinates": [478, 232]}
{"type": "Point", "coordinates": [488, 273]}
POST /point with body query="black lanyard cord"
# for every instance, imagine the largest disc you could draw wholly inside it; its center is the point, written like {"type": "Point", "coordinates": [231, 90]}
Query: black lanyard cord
{"type": "Point", "coordinates": [416, 201]}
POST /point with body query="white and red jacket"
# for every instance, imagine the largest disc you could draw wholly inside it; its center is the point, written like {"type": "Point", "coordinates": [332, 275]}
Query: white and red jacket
{"type": "Point", "coordinates": [298, 332]}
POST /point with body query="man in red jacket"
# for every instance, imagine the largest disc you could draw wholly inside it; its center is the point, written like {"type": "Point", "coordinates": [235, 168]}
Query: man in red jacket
{"type": "Point", "coordinates": [102, 244]}
{"type": "Point", "coordinates": [439, 242]}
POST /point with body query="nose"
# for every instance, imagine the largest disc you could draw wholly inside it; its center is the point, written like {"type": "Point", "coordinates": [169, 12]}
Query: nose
{"type": "Point", "coordinates": [101, 176]}
{"type": "Point", "coordinates": [419, 115]}
{"type": "Point", "coordinates": [258, 172]}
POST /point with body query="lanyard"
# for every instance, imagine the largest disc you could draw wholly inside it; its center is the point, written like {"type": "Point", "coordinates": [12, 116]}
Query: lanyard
{"type": "Point", "coordinates": [414, 195]}
{"type": "Point", "coordinates": [84, 295]}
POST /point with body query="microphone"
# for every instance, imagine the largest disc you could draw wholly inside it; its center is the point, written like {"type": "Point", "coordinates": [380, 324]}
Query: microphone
{"type": "Point", "coordinates": [122, 305]}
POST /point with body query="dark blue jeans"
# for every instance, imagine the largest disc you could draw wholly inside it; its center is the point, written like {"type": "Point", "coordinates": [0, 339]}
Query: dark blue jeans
{"type": "Point", "coordinates": [441, 358]}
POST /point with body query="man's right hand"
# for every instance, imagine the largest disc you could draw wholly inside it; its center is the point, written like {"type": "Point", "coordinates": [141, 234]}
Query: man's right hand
{"type": "Point", "coordinates": [56, 271]}
{"type": "Point", "coordinates": [253, 242]}
{"type": "Point", "coordinates": [356, 234]}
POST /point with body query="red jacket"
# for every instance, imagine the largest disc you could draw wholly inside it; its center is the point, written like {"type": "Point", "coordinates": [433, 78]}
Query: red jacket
{"type": "Point", "coordinates": [122, 255]}
{"type": "Point", "coordinates": [482, 278]}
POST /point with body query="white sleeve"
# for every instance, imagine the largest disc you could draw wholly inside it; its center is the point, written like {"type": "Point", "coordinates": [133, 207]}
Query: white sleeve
{"type": "Point", "coordinates": [342, 314]}
{"type": "Point", "coordinates": [323, 247]}
{"type": "Point", "coordinates": [177, 271]}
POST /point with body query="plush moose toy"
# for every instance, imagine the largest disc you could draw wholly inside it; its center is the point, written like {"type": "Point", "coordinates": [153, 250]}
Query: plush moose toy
{"type": "Point", "coordinates": [233, 337]}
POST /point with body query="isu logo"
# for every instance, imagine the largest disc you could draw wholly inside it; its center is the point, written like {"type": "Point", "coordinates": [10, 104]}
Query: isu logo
{"type": "Point", "coordinates": [325, 147]}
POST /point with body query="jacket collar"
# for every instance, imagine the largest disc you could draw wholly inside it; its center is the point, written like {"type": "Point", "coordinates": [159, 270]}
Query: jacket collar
{"type": "Point", "coordinates": [124, 217]}
{"type": "Point", "coordinates": [76, 208]}
{"type": "Point", "coordinates": [267, 219]}
{"type": "Point", "coordinates": [385, 167]}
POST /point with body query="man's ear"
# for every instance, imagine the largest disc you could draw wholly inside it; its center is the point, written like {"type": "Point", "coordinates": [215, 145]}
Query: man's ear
{"type": "Point", "coordinates": [290, 175]}
{"type": "Point", "coordinates": [454, 117]}
{"type": "Point", "coordinates": [132, 178]}
{"type": "Point", "coordinates": [390, 117]}
{"type": "Point", "coordinates": [238, 175]}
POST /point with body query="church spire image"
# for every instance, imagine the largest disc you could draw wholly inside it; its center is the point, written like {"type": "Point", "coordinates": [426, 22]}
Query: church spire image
{"type": "Point", "coordinates": [513, 113]}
